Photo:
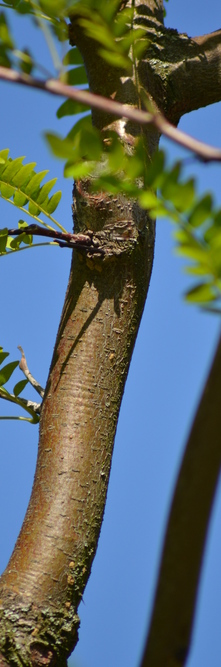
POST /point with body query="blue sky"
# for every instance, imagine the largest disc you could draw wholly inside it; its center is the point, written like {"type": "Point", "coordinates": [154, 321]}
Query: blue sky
{"type": "Point", "coordinates": [170, 362]}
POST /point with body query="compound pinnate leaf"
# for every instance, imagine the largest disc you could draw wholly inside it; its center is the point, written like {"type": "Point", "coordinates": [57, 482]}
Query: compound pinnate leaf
{"type": "Point", "coordinates": [22, 186]}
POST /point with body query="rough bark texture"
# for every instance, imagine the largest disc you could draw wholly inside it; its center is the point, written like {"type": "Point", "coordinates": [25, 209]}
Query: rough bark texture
{"type": "Point", "coordinates": [44, 581]}
{"type": "Point", "coordinates": [103, 306]}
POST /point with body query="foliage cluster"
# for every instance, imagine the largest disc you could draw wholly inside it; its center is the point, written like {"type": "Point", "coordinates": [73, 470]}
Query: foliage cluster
{"type": "Point", "coordinates": [14, 397]}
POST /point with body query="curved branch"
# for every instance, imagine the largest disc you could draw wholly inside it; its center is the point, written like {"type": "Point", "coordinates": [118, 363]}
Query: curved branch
{"type": "Point", "coordinates": [24, 368]}
{"type": "Point", "coordinates": [174, 606]}
{"type": "Point", "coordinates": [194, 73]}
{"type": "Point", "coordinates": [201, 150]}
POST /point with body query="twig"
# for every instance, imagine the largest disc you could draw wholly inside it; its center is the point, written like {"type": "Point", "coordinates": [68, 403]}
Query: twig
{"type": "Point", "coordinates": [64, 240]}
{"type": "Point", "coordinates": [24, 368]}
{"type": "Point", "coordinates": [36, 407]}
{"type": "Point", "coordinates": [201, 150]}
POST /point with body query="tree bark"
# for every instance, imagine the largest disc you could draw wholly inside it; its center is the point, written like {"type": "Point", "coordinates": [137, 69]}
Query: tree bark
{"type": "Point", "coordinates": [43, 584]}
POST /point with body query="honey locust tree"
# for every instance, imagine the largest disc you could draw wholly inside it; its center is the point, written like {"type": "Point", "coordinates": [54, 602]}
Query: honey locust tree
{"type": "Point", "coordinates": [142, 78]}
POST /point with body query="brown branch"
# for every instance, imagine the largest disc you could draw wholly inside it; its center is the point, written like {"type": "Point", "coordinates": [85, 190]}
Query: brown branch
{"type": "Point", "coordinates": [100, 318]}
{"type": "Point", "coordinates": [194, 72]}
{"type": "Point", "coordinates": [201, 150]}
{"type": "Point", "coordinates": [174, 606]}
{"type": "Point", "coordinates": [84, 242]}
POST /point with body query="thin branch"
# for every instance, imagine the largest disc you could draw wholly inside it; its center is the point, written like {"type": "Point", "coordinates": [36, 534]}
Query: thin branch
{"type": "Point", "coordinates": [65, 240]}
{"type": "Point", "coordinates": [202, 150]}
{"type": "Point", "coordinates": [24, 368]}
{"type": "Point", "coordinates": [23, 402]}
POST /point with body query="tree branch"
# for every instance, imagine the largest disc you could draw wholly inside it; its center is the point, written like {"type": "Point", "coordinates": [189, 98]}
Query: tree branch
{"type": "Point", "coordinates": [24, 368]}
{"type": "Point", "coordinates": [174, 606]}
{"type": "Point", "coordinates": [194, 73]}
{"type": "Point", "coordinates": [201, 150]}
{"type": "Point", "coordinates": [86, 242]}
{"type": "Point", "coordinates": [23, 402]}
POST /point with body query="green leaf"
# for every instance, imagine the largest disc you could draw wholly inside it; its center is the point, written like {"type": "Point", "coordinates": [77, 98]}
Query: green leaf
{"type": "Point", "coordinates": [133, 168]}
{"type": "Point", "coordinates": [24, 174]}
{"type": "Point", "coordinates": [116, 155]}
{"type": "Point", "coordinates": [3, 240]}
{"type": "Point", "coordinates": [149, 200]}
{"type": "Point", "coordinates": [99, 32]}
{"type": "Point", "coordinates": [76, 76]}
{"type": "Point", "coordinates": [198, 270]}
{"type": "Point", "coordinates": [155, 169]}
{"type": "Point", "coordinates": [78, 170]}
{"type": "Point", "coordinates": [180, 194]}
{"type": "Point", "coordinates": [53, 202]}
{"type": "Point", "coordinates": [22, 224]}
{"type": "Point", "coordinates": [213, 237]}
{"type": "Point", "coordinates": [70, 107]}
{"type": "Point", "coordinates": [33, 209]}
{"type": "Point", "coordinates": [32, 187]}
{"type": "Point", "coordinates": [4, 154]}
{"type": "Point", "coordinates": [10, 169]}
{"type": "Point", "coordinates": [5, 36]}
{"type": "Point", "coordinates": [44, 191]}
{"type": "Point", "coordinates": [141, 47]}
{"type": "Point", "coordinates": [16, 242]}
{"type": "Point", "coordinates": [82, 142]}
{"type": "Point", "coordinates": [201, 293]}
{"type": "Point", "coordinates": [26, 61]}
{"type": "Point", "coordinates": [18, 388]}
{"type": "Point", "coordinates": [82, 124]}
{"type": "Point", "coordinates": [201, 211]}
{"type": "Point", "coordinates": [195, 253]}
{"type": "Point", "coordinates": [116, 59]}
{"type": "Point", "coordinates": [108, 182]}
{"type": "Point", "coordinates": [53, 8]}
{"type": "Point", "coordinates": [3, 355]}
{"type": "Point", "coordinates": [19, 199]}
{"type": "Point", "coordinates": [73, 57]}
{"type": "Point", "coordinates": [62, 148]}
{"type": "Point", "coordinates": [90, 146]}
{"type": "Point", "coordinates": [7, 191]}
{"type": "Point", "coordinates": [122, 21]}
{"type": "Point", "coordinates": [217, 218]}
{"type": "Point", "coordinates": [131, 37]}
{"type": "Point", "coordinates": [4, 58]}
{"type": "Point", "coordinates": [6, 371]}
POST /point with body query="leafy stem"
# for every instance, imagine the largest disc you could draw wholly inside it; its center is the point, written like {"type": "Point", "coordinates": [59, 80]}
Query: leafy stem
{"type": "Point", "coordinates": [36, 217]}
{"type": "Point", "coordinates": [82, 241]}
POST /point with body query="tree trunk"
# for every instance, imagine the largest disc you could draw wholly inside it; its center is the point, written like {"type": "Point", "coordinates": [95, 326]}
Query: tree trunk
{"type": "Point", "coordinates": [43, 584]}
